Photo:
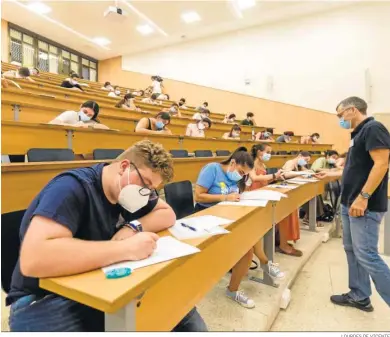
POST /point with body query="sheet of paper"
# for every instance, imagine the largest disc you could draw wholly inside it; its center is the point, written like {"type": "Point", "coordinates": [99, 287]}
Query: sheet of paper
{"type": "Point", "coordinates": [305, 180]}
{"type": "Point", "coordinates": [263, 195]}
{"type": "Point", "coordinates": [251, 203]}
{"type": "Point", "coordinates": [301, 173]}
{"type": "Point", "coordinates": [168, 248]}
{"type": "Point", "coordinates": [287, 187]}
{"type": "Point", "coordinates": [291, 181]}
{"type": "Point", "coordinates": [205, 225]}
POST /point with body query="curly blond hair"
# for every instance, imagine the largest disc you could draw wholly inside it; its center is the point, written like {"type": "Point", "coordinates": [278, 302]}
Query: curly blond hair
{"type": "Point", "coordinates": [151, 155]}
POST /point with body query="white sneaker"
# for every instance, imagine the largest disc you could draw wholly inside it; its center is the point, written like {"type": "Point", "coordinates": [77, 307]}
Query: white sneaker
{"type": "Point", "coordinates": [274, 271]}
{"type": "Point", "coordinates": [240, 298]}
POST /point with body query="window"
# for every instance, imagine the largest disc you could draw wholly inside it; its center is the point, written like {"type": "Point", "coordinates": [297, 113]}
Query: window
{"type": "Point", "coordinates": [32, 50]}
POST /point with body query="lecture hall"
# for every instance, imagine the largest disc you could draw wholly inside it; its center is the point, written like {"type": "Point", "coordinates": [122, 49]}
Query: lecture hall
{"type": "Point", "coordinates": [195, 166]}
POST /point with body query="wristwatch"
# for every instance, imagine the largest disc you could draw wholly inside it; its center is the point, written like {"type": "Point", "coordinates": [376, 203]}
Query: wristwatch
{"type": "Point", "coordinates": [365, 195]}
{"type": "Point", "coordinates": [134, 225]}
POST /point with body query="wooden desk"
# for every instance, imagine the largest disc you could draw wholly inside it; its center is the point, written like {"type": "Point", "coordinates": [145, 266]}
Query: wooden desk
{"type": "Point", "coordinates": [169, 290]}
{"type": "Point", "coordinates": [20, 105]}
{"type": "Point", "coordinates": [172, 288]}
{"type": "Point", "coordinates": [21, 182]}
{"type": "Point", "coordinates": [19, 137]}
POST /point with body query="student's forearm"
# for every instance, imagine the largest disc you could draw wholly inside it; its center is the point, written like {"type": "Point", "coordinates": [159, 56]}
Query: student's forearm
{"type": "Point", "coordinates": [375, 177]}
{"type": "Point", "coordinates": [158, 220]}
{"type": "Point", "coordinates": [208, 198]}
{"type": "Point", "coordinates": [68, 256]}
{"type": "Point", "coordinates": [148, 131]}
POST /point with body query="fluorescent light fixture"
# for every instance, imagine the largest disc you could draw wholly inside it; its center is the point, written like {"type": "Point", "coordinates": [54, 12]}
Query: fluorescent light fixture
{"type": "Point", "coordinates": [60, 24]}
{"type": "Point", "coordinates": [144, 18]}
{"type": "Point", "coordinates": [145, 29]}
{"type": "Point", "coordinates": [190, 17]}
{"type": "Point", "coordinates": [245, 4]}
{"type": "Point", "coordinates": [39, 7]}
{"type": "Point", "coordinates": [101, 41]}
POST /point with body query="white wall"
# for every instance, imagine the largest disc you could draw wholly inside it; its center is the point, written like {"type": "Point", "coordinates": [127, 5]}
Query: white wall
{"type": "Point", "coordinates": [313, 61]}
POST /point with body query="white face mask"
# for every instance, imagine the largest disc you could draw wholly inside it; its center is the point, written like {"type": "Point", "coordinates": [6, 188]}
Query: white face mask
{"type": "Point", "coordinates": [117, 92]}
{"type": "Point", "coordinates": [235, 134]}
{"type": "Point", "coordinates": [201, 126]}
{"type": "Point", "coordinates": [129, 196]}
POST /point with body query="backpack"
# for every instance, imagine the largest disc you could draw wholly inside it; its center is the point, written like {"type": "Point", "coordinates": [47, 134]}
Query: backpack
{"type": "Point", "coordinates": [328, 214]}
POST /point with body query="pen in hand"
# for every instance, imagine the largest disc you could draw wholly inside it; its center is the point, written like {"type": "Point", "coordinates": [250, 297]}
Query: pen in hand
{"type": "Point", "coordinates": [189, 227]}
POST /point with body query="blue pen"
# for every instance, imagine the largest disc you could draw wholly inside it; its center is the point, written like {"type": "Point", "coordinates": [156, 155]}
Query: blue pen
{"type": "Point", "coordinates": [118, 273]}
{"type": "Point", "coordinates": [189, 227]}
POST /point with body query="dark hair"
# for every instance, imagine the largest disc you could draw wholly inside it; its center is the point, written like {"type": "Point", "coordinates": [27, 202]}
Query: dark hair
{"type": "Point", "coordinates": [256, 148]}
{"type": "Point", "coordinates": [182, 100]}
{"type": "Point", "coordinates": [242, 157]}
{"type": "Point", "coordinates": [167, 96]}
{"type": "Point", "coordinates": [94, 106]}
{"type": "Point", "coordinates": [175, 104]}
{"type": "Point", "coordinates": [356, 102]}
{"type": "Point", "coordinates": [305, 154]}
{"type": "Point", "coordinates": [344, 155]}
{"type": "Point", "coordinates": [37, 70]}
{"type": "Point", "coordinates": [249, 114]}
{"type": "Point", "coordinates": [143, 92]}
{"type": "Point", "coordinates": [74, 75]}
{"type": "Point", "coordinates": [106, 84]}
{"type": "Point", "coordinates": [315, 135]}
{"type": "Point", "coordinates": [153, 78]}
{"type": "Point", "coordinates": [270, 130]}
{"type": "Point", "coordinates": [331, 153]}
{"type": "Point", "coordinates": [24, 71]}
{"type": "Point", "coordinates": [206, 120]}
{"type": "Point", "coordinates": [235, 127]}
{"type": "Point", "coordinates": [116, 87]}
{"type": "Point", "coordinates": [154, 96]}
{"type": "Point", "coordinates": [288, 133]}
{"type": "Point", "coordinates": [231, 116]}
{"type": "Point", "coordinates": [164, 115]}
{"type": "Point", "coordinates": [205, 111]}
{"type": "Point", "coordinates": [205, 103]}
{"type": "Point", "coordinates": [123, 100]}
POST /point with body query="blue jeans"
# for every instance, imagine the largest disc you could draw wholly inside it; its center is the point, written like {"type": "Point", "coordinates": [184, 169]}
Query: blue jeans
{"type": "Point", "coordinates": [360, 238]}
{"type": "Point", "coordinates": [56, 313]}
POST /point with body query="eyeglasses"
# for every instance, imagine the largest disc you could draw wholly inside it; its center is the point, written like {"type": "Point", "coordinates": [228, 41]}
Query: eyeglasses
{"type": "Point", "coordinates": [145, 190]}
{"type": "Point", "coordinates": [341, 114]}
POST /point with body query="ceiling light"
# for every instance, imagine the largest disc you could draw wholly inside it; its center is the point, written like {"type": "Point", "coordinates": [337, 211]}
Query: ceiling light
{"type": "Point", "coordinates": [101, 41]}
{"type": "Point", "coordinates": [39, 7]}
{"type": "Point", "coordinates": [190, 17]}
{"type": "Point", "coordinates": [245, 4]}
{"type": "Point", "coordinates": [145, 29]}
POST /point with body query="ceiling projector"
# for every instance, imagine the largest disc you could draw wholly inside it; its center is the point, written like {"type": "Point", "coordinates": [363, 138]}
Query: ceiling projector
{"type": "Point", "coordinates": [115, 14]}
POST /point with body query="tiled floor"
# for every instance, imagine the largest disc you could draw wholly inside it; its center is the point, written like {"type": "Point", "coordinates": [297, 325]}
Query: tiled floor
{"type": "Point", "coordinates": [325, 274]}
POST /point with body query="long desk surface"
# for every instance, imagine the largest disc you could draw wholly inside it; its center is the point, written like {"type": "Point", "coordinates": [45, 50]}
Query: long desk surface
{"type": "Point", "coordinates": [19, 137]}
{"type": "Point", "coordinates": [169, 290]}
{"type": "Point", "coordinates": [27, 100]}
{"type": "Point", "coordinates": [21, 182]}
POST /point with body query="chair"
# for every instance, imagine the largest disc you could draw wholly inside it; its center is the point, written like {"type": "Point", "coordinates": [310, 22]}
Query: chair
{"type": "Point", "coordinates": [10, 245]}
{"type": "Point", "coordinates": [179, 153]}
{"type": "Point", "coordinates": [39, 155]}
{"type": "Point", "coordinates": [179, 196]}
{"type": "Point", "coordinates": [203, 153]}
{"type": "Point", "coordinates": [101, 154]}
{"type": "Point", "coordinates": [222, 153]}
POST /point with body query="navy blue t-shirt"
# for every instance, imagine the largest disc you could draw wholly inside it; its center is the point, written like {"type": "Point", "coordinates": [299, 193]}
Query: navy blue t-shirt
{"type": "Point", "coordinates": [76, 200]}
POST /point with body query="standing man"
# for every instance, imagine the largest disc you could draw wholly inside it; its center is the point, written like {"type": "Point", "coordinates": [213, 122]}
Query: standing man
{"type": "Point", "coordinates": [363, 203]}
{"type": "Point", "coordinates": [85, 219]}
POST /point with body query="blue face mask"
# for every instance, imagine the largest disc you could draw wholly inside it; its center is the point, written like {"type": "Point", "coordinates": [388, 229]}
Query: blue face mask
{"type": "Point", "coordinates": [83, 117]}
{"type": "Point", "coordinates": [345, 124]}
{"type": "Point", "coordinates": [266, 156]}
{"type": "Point", "coordinates": [302, 162]}
{"type": "Point", "coordinates": [234, 176]}
{"type": "Point", "coordinates": [160, 125]}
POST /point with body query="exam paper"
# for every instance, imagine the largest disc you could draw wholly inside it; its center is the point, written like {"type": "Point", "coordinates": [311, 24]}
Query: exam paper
{"type": "Point", "coordinates": [287, 187]}
{"type": "Point", "coordinates": [291, 181]}
{"type": "Point", "coordinates": [252, 203]}
{"type": "Point", "coordinates": [304, 180]}
{"type": "Point", "coordinates": [204, 225]}
{"type": "Point", "coordinates": [168, 248]}
{"type": "Point", "coordinates": [263, 195]}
